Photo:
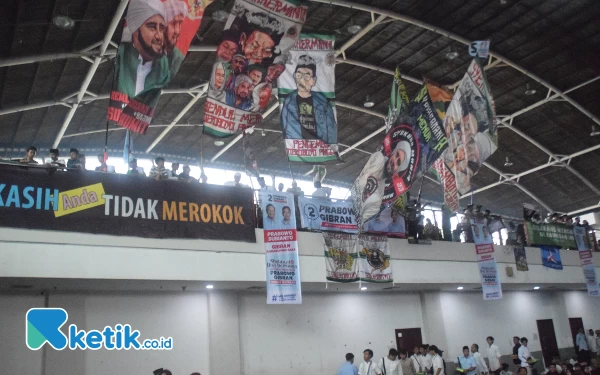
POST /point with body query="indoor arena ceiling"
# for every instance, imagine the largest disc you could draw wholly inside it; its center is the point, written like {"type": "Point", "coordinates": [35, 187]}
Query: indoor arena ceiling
{"type": "Point", "coordinates": [54, 84]}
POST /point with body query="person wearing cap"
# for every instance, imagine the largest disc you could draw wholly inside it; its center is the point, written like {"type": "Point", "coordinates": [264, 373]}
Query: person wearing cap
{"type": "Point", "coordinates": [158, 171]}
{"type": "Point", "coordinates": [239, 97]}
{"type": "Point", "coordinates": [54, 161]}
{"type": "Point", "coordinates": [228, 46]}
{"type": "Point", "coordinates": [236, 181]}
{"type": "Point", "coordinates": [141, 63]}
{"type": "Point", "coordinates": [306, 114]}
{"type": "Point", "coordinates": [74, 161]}
{"type": "Point", "coordinates": [175, 12]}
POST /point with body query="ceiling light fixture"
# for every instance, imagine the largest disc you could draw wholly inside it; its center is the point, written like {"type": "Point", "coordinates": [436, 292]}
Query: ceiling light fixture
{"type": "Point", "coordinates": [452, 55]}
{"type": "Point", "coordinates": [595, 131]}
{"type": "Point", "coordinates": [363, 288]}
{"type": "Point", "coordinates": [354, 28]}
{"type": "Point", "coordinates": [220, 15]}
{"type": "Point", "coordinates": [210, 286]}
{"type": "Point", "coordinates": [63, 22]}
{"type": "Point", "coordinates": [368, 103]}
{"type": "Point", "coordinates": [508, 163]}
{"type": "Point", "coordinates": [530, 91]}
{"type": "Point", "coordinates": [460, 288]}
{"type": "Point", "coordinates": [536, 287]}
{"type": "Point", "coordinates": [503, 2]}
{"type": "Point", "coordinates": [219, 143]}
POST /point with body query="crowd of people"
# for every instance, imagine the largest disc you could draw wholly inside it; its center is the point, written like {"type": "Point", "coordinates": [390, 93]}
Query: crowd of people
{"type": "Point", "coordinates": [427, 360]}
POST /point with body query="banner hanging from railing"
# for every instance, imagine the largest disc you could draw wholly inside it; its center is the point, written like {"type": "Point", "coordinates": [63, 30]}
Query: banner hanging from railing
{"type": "Point", "coordinates": [254, 47]}
{"type": "Point", "coordinates": [123, 205]}
{"type": "Point", "coordinates": [281, 247]}
{"type": "Point", "coordinates": [325, 215]}
{"type": "Point", "coordinates": [587, 261]}
{"type": "Point", "coordinates": [341, 258]}
{"type": "Point", "coordinates": [488, 269]}
{"type": "Point", "coordinates": [155, 40]}
{"type": "Point", "coordinates": [557, 235]}
{"type": "Point", "coordinates": [307, 94]}
{"type": "Point", "coordinates": [471, 130]}
{"type": "Point", "coordinates": [551, 257]}
{"type": "Point", "coordinates": [521, 258]}
{"type": "Point", "coordinates": [408, 150]}
{"type": "Point", "coordinates": [374, 253]}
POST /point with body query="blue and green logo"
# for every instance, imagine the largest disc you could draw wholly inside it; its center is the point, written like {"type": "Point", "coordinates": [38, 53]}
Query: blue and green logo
{"type": "Point", "coordinates": [43, 326]}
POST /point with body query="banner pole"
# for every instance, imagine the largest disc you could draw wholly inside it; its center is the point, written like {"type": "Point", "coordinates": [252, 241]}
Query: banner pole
{"type": "Point", "coordinates": [290, 168]}
{"type": "Point", "coordinates": [104, 168]}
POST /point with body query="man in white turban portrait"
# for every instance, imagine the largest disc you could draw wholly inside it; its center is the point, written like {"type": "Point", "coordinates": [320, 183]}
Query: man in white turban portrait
{"type": "Point", "coordinates": [141, 63]}
{"type": "Point", "coordinates": [176, 11]}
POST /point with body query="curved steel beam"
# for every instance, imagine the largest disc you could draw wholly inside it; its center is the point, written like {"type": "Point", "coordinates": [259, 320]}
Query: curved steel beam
{"type": "Point", "coordinates": [463, 40]}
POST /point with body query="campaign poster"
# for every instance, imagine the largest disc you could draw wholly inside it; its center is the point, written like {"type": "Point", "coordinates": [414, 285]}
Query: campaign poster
{"type": "Point", "coordinates": [408, 150]}
{"type": "Point", "coordinates": [398, 99]}
{"type": "Point", "coordinates": [374, 253]}
{"type": "Point", "coordinates": [389, 222]}
{"type": "Point", "coordinates": [307, 98]}
{"type": "Point", "coordinates": [470, 126]}
{"type": "Point", "coordinates": [521, 258]}
{"type": "Point", "coordinates": [155, 40]}
{"type": "Point", "coordinates": [254, 48]}
{"type": "Point", "coordinates": [281, 247]}
{"type": "Point", "coordinates": [581, 238]}
{"type": "Point", "coordinates": [341, 258]}
{"type": "Point", "coordinates": [488, 269]}
{"type": "Point", "coordinates": [326, 215]}
{"type": "Point", "coordinates": [589, 273]}
{"type": "Point", "coordinates": [551, 257]}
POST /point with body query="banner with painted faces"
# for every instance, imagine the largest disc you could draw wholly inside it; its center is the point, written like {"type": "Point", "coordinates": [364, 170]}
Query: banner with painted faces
{"type": "Point", "coordinates": [471, 129]}
{"type": "Point", "coordinates": [155, 40]}
{"type": "Point", "coordinates": [251, 56]}
{"type": "Point", "coordinates": [306, 94]}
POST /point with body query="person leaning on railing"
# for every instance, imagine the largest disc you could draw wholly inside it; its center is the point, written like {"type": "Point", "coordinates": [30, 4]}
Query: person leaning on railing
{"type": "Point", "coordinates": [28, 159]}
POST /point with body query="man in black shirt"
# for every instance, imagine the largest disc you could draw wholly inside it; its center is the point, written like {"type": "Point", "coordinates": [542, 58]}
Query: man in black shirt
{"type": "Point", "coordinates": [515, 355]}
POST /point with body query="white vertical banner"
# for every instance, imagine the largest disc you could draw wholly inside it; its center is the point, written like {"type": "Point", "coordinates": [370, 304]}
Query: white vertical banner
{"type": "Point", "coordinates": [488, 269]}
{"type": "Point", "coordinates": [587, 261]}
{"type": "Point", "coordinates": [281, 247]}
{"type": "Point", "coordinates": [374, 253]}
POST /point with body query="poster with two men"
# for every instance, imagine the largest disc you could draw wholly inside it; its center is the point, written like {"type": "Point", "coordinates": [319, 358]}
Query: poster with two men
{"type": "Point", "coordinates": [306, 94]}
{"type": "Point", "coordinates": [251, 56]}
{"type": "Point", "coordinates": [156, 37]}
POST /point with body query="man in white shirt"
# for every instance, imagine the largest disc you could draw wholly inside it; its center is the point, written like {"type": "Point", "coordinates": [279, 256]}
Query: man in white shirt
{"type": "Point", "coordinates": [481, 366]}
{"type": "Point", "coordinates": [416, 358]}
{"type": "Point", "coordinates": [391, 364]}
{"type": "Point", "coordinates": [320, 191]}
{"type": "Point", "coordinates": [591, 341]}
{"type": "Point", "coordinates": [236, 181]}
{"type": "Point", "coordinates": [524, 355]}
{"type": "Point", "coordinates": [583, 351]}
{"type": "Point", "coordinates": [426, 358]}
{"type": "Point", "coordinates": [436, 361]}
{"type": "Point", "coordinates": [494, 356]}
{"type": "Point", "coordinates": [368, 367]}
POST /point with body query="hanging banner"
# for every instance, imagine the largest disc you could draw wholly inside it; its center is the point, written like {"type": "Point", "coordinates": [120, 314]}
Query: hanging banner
{"type": "Point", "coordinates": [155, 40]}
{"type": "Point", "coordinates": [123, 205]}
{"type": "Point", "coordinates": [398, 100]}
{"type": "Point", "coordinates": [581, 238]}
{"type": "Point", "coordinates": [480, 48]}
{"type": "Point", "coordinates": [488, 269]}
{"type": "Point", "coordinates": [408, 150]}
{"type": "Point", "coordinates": [471, 131]}
{"type": "Point", "coordinates": [341, 258]}
{"type": "Point", "coordinates": [374, 254]}
{"type": "Point", "coordinates": [325, 215]}
{"type": "Point", "coordinates": [551, 257]}
{"type": "Point", "coordinates": [521, 258]}
{"type": "Point", "coordinates": [307, 94]}
{"type": "Point", "coordinates": [281, 247]}
{"type": "Point", "coordinates": [251, 56]}
{"type": "Point", "coordinates": [589, 273]}
{"type": "Point", "coordinates": [389, 222]}
{"type": "Point", "coordinates": [558, 235]}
